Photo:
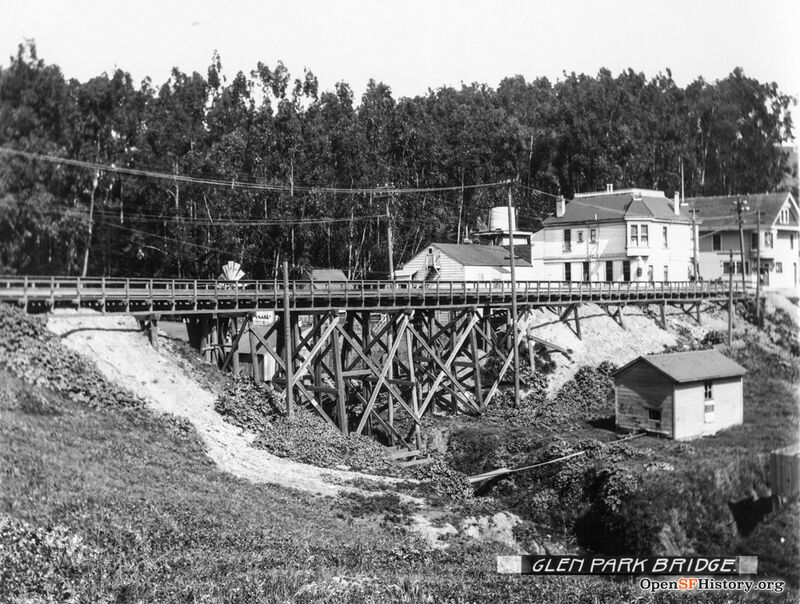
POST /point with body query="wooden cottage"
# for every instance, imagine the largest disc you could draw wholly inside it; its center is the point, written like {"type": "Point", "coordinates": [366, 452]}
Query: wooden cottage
{"type": "Point", "coordinates": [682, 395]}
{"type": "Point", "coordinates": [465, 262]}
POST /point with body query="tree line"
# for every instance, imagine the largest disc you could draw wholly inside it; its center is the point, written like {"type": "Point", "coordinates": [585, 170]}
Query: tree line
{"type": "Point", "coordinates": [285, 145]}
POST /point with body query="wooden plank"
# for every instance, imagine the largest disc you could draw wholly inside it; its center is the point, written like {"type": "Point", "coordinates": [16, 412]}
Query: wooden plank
{"type": "Point", "coordinates": [392, 390]}
{"type": "Point", "coordinates": [550, 345]}
{"type": "Point", "coordinates": [415, 462]}
{"type": "Point", "coordinates": [341, 394]}
{"type": "Point", "coordinates": [434, 359]}
{"type": "Point", "coordinates": [383, 375]}
{"type": "Point", "coordinates": [446, 367]}
{"type": "Point", "coordinates": [321, 341]}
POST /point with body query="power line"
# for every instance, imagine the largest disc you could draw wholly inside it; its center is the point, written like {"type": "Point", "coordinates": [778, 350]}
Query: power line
{"type": "Point", "coordinates": [239, 184]}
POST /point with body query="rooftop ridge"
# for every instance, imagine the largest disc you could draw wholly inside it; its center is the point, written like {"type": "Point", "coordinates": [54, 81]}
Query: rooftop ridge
{"type": "Point", "coordinates": [634, 190]}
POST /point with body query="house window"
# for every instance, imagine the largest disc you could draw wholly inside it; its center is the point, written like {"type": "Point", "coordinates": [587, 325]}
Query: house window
{"type": "Point", "coordinates": [580, 236]}
{"type": "Point", "coordinates": [716, 243]}
{"type": "Point", "coordinates": [567, 240]}
{"type": "Point", "coordinates": [664, 238]}
{"type": "Point", "coordinates": [586, 271]}
{"type": "Point", "coordinates": [654, 414]}
{"type": "Point", "coordinates": [779, 267]}
{"type": "Point", "coordinates": [634, 235]}
{"type": "Point", "coordinates": [650, 273]}
{"type": "Point", "coordinates": [708, 390]}
{"type": "Point", "coordinates": [592, 235]}
{"type": "Point", "coordinates": [784, 218]}
{"type": "Point", "coordinates": [753, 241]}
{"type": "Point", "coordinates": [791, 241]}
{"type": "Point", "coordinates": [568, 271]}
{"type": "Point", "coordinates": [666, 273]}
{"type": "Point", "coordinates": [737, 268]}
{"type": "Point", "coordinates": [768, 240]}
{"type": "Point", "coordinates": [645, 240]}
{"type": "Point", "coordinates": [708, 411]}
{"type": "Point", "coordinates": [626, 270]}
{"type": "Point", "coordinates": [609, 270]}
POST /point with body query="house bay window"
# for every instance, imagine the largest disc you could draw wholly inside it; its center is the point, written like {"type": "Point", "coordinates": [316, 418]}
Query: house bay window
{"type": "Point", "coordinates": [639, 235]}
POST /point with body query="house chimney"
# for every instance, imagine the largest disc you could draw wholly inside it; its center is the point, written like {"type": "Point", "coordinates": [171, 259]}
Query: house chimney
{"type": "Point", "coordinates": [677, 203]}
{"type": "Point", "coordinates": [560, 206]}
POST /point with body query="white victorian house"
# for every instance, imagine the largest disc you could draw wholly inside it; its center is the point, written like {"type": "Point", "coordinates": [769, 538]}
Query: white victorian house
{"type": "Point", "coordinates": [625, 235]}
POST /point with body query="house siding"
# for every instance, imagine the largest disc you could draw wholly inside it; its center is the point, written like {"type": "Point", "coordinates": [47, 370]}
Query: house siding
{"type": "Point", "coordinates": [690, 407]}
{"type": "Point", "coordinates": [613, 245]}
{"type": "Point", "coordinates": [639, 389]}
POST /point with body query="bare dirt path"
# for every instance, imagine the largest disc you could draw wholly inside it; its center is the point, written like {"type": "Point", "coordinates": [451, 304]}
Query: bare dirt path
{"type": "Point", "coordinates": [123, 354]}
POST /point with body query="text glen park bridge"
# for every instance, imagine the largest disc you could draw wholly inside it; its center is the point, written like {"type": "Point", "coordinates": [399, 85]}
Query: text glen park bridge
{"type": "Point", "coordinates": [374, 355]}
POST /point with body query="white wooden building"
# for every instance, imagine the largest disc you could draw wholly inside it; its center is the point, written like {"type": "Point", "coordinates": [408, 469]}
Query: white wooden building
{"type": "Point", "coordinates": [464, 262]}
{"type": "Point", "coordinates": [625, 235]}
{"type": "Point", "coordinates": [779, 242]}
{"type": "Point", "coordinates": [681, 395]}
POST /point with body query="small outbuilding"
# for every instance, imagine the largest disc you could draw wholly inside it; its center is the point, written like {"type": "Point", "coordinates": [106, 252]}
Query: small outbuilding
{"type": "Point", "coordinates": [681, 395]}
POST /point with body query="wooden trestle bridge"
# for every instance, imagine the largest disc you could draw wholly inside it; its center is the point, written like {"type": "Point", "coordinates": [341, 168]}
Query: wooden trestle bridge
{"type": "Point", "coordinates": [378, 355]}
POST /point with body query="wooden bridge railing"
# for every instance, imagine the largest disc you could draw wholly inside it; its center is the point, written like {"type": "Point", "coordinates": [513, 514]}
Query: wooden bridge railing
{"type": "Point", "coordinates": [174, 293]}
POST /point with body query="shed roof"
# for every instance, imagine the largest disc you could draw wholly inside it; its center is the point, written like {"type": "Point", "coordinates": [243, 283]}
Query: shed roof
{"type": "Point", "coordinates": [479, 255]}
{"type": "Point", "coordinates": [692, 366]}
{"type": "Point", "coordinates": [717, 212]}
{"type": "Point", "coordinates": [617, 207]}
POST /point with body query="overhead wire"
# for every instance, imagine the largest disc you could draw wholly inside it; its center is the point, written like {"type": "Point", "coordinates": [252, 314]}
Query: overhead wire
{"type": "Point", "coordinates": [239, 183]}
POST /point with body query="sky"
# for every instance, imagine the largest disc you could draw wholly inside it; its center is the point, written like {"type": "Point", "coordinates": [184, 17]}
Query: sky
{"type": "Point", "coordinates": [413, 45]}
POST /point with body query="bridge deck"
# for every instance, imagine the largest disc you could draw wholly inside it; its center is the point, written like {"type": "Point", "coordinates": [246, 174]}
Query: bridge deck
{"type": "Point", "coordinates": [185, 296]}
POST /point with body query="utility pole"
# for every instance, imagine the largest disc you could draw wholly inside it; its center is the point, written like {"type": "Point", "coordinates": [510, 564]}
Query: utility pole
{"type": "Point", "coordinates": [694, 245]}
{"type": "Point", "coordinates": [515, 332]}
{"type": "Point", "coordinates": [742, 206]}
{"type": "Point", "coordinates": [389, 240]}
{"type": "Point", "coordinates": [758, 267]}
{"type": "Point", "coordinates": [730, 296]}
{"type": "Point", "coordinates": [287, 343]}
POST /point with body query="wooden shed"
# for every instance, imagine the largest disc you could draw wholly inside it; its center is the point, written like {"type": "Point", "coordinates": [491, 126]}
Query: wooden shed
{"type": "Point", "coordinates": [682, 395]}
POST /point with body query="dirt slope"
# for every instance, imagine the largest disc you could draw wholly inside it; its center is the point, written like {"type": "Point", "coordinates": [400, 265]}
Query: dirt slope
{"type": "Point", "coordinates": [123, 355]}
{"type": "Point", "coordinates": [603, 339]}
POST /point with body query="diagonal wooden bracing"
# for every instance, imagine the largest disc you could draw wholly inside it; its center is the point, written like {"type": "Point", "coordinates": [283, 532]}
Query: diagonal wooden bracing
{"type": "Point", "coordinates": [378, 374]}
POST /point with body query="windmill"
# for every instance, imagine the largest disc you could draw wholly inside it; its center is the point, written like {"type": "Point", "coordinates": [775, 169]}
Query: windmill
{"type": "Point", "coordinates": [231, 271]}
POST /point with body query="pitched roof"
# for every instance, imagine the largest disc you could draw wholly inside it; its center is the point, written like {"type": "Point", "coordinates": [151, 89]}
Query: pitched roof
{"type": "Point", "coordinates": [716, 212]}
{"type": "Point", "coordinates": [616, 207]}
{"type": "Point", "coordinates": [326, 274]}
{"type": "Point", "coordinates": [693, 366]}
{"type": "Point", "coordinates": [478, 255]}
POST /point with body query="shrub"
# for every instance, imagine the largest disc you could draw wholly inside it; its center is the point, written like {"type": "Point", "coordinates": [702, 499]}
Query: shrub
{"type": "Point", "coordinates": [38, 357]}
{"type": "Point", "coordinates": [309, 439]}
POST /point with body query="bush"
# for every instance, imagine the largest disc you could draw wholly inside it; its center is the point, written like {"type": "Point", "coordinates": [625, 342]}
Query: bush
{"type": "Point", "coordinates": [38, 357]}
{"type": "Point", "coordinates": [248, 406]}
{"type": "Point", "coordinates": [309, 439]}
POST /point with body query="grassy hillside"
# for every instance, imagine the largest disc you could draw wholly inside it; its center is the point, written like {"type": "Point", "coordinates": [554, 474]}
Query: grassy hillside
{"type": "Point", "coordinates": [106, 502]}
